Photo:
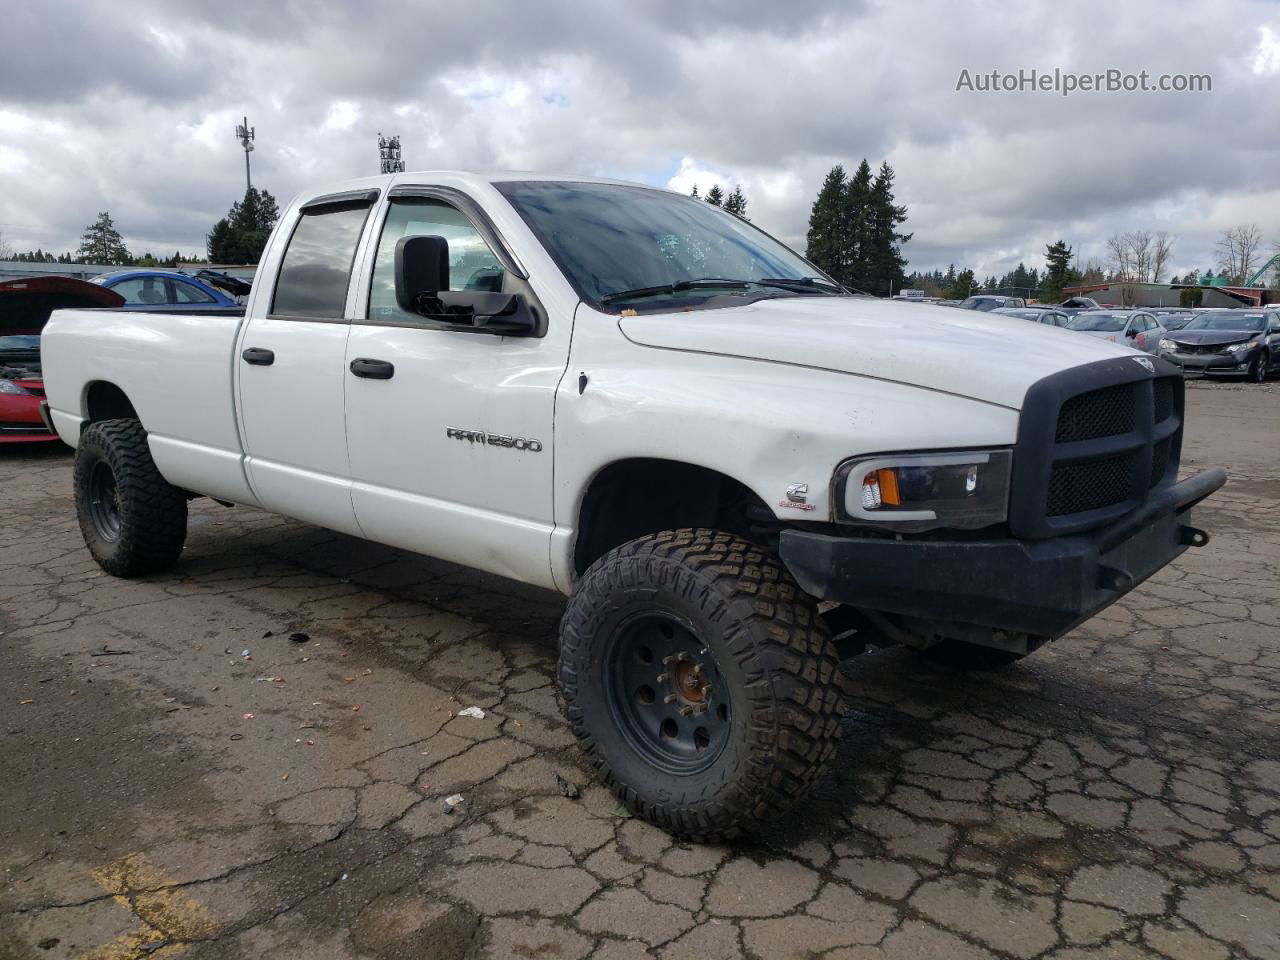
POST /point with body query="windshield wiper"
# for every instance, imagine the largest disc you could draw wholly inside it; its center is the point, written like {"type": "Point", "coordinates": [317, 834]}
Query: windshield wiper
{"type": "Point", "coordinates": [813, 283]}
{"type": "Point", "coordinates": [674, 288]}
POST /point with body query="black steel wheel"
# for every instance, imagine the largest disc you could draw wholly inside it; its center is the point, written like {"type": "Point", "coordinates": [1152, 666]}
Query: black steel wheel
{"type": "Point", "coordinates": [667, 691]}
{"type": "Point", "coordinates": [104, 501]}
{"type": "Point", "coordinates": [700, 681]}
{"type": "Point", "coordinates": [133, 521]}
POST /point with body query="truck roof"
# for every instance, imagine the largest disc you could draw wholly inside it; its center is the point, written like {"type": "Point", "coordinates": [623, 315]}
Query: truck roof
{"type": "Point", "coordinates": [463, 179]}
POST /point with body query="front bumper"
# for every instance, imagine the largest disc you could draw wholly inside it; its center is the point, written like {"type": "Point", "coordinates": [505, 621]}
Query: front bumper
{"type": "Point", "coordinates": [21, 421]}
{"type": "Point", "coordinates": [1208, 364]}
{"type": "Point", "coordinates": [1040, 587]}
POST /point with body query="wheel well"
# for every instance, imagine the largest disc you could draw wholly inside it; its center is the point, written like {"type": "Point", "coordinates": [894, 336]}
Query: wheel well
{"type": "Point", "coordinates": [632, 498]}
{"type": "Point", "coordinates": [106, 401]}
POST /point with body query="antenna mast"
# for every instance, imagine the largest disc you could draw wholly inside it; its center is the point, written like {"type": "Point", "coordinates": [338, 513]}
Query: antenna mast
{"type": "Point", "coordinates": [244, 133]}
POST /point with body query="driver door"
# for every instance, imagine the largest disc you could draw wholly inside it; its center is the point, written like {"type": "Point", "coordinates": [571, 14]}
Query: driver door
{"type": "Point", "coordinates": [449, 429]}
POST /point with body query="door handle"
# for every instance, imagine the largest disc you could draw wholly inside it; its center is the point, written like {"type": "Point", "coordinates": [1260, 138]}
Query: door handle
{"type": "Point", "coordinates": [372, 369]}
{"type": "Point", "coordinates": [258, 356]}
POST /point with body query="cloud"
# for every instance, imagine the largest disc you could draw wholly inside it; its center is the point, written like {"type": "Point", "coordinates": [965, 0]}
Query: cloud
{"type": "Point", "coordinates": [132, 109]}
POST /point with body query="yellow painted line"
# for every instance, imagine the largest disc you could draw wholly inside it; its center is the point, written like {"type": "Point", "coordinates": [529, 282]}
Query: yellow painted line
{"type": "Point", "coordinates": [166, 915]}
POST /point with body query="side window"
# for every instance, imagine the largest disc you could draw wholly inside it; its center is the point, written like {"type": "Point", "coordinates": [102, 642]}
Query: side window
{"type": "Point", "coordinates": [316, 267]}
{"type": "Point", "coordinates": [472, 265]}
{"type": "Point", "coordinates": [146, 291]}
{"type": "Point", "coordinates": [184, 292]}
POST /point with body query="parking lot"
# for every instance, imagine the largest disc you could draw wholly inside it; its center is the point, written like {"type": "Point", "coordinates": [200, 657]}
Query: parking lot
{"type": "Point", "coordinates": [251, 757]}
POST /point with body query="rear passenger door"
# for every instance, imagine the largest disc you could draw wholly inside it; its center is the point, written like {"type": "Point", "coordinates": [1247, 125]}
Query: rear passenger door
{"type": "Point", "coordinates": [291, 368]}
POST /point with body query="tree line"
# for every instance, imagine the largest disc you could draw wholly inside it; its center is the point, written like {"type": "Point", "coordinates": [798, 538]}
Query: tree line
{"type": "Point", "coordinates": [238, 238]}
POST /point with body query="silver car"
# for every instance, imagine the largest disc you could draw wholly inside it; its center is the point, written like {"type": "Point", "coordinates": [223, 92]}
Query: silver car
{"type": "Point", "coordinates": [1051, 316]}
{"type": "Point", "coordinates": [1139, 329]}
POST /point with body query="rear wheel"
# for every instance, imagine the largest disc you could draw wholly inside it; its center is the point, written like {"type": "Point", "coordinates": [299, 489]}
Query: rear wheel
{"type": "Point", "coordinates": [133, 521]}
{"type": "Point", "coordinates": [699, 681]}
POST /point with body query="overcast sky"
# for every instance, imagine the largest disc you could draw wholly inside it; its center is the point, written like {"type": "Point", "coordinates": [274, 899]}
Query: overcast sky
{"type": "Point", "coordinates": [130, 107]}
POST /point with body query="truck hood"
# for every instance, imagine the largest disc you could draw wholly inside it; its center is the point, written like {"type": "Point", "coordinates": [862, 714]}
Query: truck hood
{"type": "Point", "coordinates": [988, 357]}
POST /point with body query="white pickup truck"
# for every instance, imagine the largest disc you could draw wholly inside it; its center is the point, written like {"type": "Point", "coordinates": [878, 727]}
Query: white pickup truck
{"type": "Point", "coordinates": [736, 470]}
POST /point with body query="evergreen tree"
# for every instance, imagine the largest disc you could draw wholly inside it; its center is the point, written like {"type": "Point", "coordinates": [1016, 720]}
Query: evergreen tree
{"type": "Point", "coordinates": [241, 235]}
{"type": "Point", "coordinates": [736, 203]}
{"type": "Point", "coordinates": [825, 243]}
{"type": "Point", "coordinates": [102, 243]}
{"type": "Point", "coordinates": [881, 256]}
{"type": "Point", "coordinates": [858, 226]}
{"type": "Point", "coordinates": [1057, 272]}
{"type": "Point", "coordinates": [694, 193]}
{"type": "Point", "coordinates": [962, 286]}
{"type": "Point", "coordinates": [715, 196]}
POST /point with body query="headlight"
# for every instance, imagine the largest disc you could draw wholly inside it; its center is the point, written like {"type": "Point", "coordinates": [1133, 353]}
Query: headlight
{"type": "Point", "coordinates": [1168, 345]}
{"type": "Point", "coordinates": [11, 388]}
{"type": "Point", "coordinates": [913, 492]}
{"type": "Point", "coordinates": [1242, 347]}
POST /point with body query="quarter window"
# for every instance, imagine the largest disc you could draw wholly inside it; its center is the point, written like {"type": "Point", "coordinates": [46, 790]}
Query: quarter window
{"type": "Point", "coordinates": [472, 264]}
{"type": "Point", "coordinates": [189, 293]}
{"type": "Point", "coordinates": [148, 291]}
{"type": "Point", "coordinates": [316, 268]}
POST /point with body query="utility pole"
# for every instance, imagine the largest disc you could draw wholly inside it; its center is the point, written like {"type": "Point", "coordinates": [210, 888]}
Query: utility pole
{"type": "Point", "coordinates": [389, 154]}
{"type": "Point", "coordinates": [244, 133]}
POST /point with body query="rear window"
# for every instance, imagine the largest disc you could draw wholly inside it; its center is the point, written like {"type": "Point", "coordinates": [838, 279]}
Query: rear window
{"type": "Point", "coordinates": [316, 268]}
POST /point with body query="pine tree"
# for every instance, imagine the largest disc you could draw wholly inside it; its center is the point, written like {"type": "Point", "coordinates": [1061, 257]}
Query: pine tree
{"type": "Point", "coordinates": [241, 236]}
{"type": "Point", "coordinates": [858, 228]}
{"type": "Point", "coordinates": [962, 286]}
{"type": "Point", "coordinates": [715, 196]}
{"type": "Point", "coordinates": [736, 203]}
{"type": "Point", "coordinates": [694, 193]}
{"type": "Point", "coordinates": [102, 243]}
{"type": "Point", "coordinates": [825, 242]}
{"type": "Point", "coordinates": [882, 258]}
{"type": "Point", "coordinates": [1057, 272]}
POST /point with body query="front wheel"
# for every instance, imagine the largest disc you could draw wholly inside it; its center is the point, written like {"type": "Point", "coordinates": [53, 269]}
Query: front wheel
{"type": "Point", "coordinates": [699, 681]}
{"type": "Point", "coordinates": [1258, 372]}
{"type": "Point", "coordinates": [133, 521]}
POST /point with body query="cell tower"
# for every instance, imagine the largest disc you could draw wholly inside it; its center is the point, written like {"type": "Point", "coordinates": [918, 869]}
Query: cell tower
{"type": "Point", "coordinates": [244, 133]}
{"type": "Point", "coordinates": [389, 153]}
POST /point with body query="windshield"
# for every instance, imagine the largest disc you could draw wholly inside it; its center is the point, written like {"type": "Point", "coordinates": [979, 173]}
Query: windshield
{"type": "Point", "coordinates": [985, 304]}
{"type": "Point", "coordinates": [1099, 322]}
{"type": "Point", "coordinates": [1255, 322]}
{"type": "Point", "coordinates": [610, 239]}
{"type": "Point", "coordinates": [19, 343]}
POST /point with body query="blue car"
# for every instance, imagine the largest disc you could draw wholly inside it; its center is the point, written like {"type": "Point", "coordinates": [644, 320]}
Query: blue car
{"type": "Point", "coordinates": [166, 290]}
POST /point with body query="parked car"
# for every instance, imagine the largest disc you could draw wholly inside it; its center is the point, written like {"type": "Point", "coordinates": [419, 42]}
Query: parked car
{"type": "Point", "coordinates": [25, 306]}
{"type": "Point", "coordinates": [1174, 319]}
{"type": "Point", "coordinates": [1080, 303]}
{"type": "Point", "coordinates": [166, 290]}
{"type": "Point", "coordinates": [729, 477]}
{"type": "Point", "coordinates": [1227, 341]}
{"type": "Point", "coordinates": [1047, 315]}
{"type": "Point", "coordinates": [1137, 328]}
{"type": "Point", "coordinates": [987, 302]}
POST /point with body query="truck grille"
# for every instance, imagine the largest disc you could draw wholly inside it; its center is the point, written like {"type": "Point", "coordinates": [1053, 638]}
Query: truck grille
{"type": "Point", "coordinates": [1091, 449]}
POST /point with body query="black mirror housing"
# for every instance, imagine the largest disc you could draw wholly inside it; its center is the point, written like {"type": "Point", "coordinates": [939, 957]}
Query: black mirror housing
{"type": "Point", "coordinates": [422, 266]}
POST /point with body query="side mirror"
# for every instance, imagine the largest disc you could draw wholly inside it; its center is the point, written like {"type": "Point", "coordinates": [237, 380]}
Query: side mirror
{"type": "Point", "coordinates": [422, 266]}
{"type": "Point", "coordinates": [1131, 332]}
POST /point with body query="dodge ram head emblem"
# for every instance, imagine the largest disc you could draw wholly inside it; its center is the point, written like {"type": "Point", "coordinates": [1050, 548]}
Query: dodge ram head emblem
{"type": "Point", "coordinates": [797, 494]}
{"type": "Point", "coordinates": [1144, 362]}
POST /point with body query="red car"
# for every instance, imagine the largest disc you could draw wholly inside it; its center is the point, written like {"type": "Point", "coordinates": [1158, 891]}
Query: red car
{"type": "Point", "coordinates": [25, 306]}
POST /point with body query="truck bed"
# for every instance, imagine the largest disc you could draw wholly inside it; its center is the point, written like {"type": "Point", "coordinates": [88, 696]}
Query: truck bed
{"type": "Point", "coordinates": [177, 370]}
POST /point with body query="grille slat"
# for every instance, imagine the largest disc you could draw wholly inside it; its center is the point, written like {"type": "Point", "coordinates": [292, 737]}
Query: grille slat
{"type": "Point", "coordinates": [1163, 399]}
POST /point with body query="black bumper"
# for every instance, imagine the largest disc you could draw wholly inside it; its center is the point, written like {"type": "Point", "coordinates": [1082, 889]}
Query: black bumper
{"type": "Point", "coordinates": [1040, 587]}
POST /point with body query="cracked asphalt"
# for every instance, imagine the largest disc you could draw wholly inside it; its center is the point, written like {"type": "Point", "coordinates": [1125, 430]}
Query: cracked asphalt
{"type": "Point", "coordinates": [1116, 795]}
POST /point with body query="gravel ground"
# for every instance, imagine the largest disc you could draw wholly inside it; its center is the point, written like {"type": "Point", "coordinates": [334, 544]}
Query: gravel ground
{"type": "Point", "coordinates": [182, 779]}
